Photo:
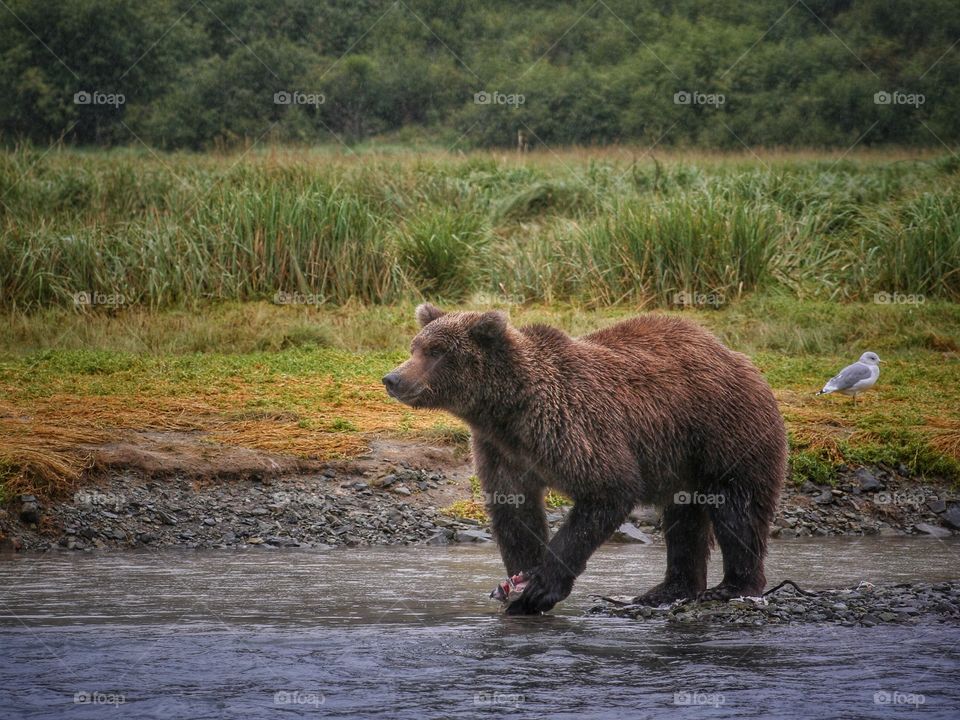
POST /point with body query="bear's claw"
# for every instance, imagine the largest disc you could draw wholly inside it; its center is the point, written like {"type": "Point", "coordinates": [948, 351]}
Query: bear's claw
{"type": "Point", "coordinates": [724, 592]}
{"type": "Point", "coordinates": [664, 594]}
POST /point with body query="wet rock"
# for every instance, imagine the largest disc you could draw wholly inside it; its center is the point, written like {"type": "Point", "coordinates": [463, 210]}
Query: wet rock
{"type": "Point", "coordinates": [442, 537]}
{"type": "Point", "coordinates": [29, 510]}
{"type": "Point", "coordinates": [824, 498]}
{"type": "Point", "coordinates": [645, 515]}
{"type": "Point", "coordinates": [951, 518]}
{"type": "Point", "coordinates": [932, 530]}
{"type": "Point", "coordinates": [473, 536]}
{"type": "Point", "coordinates": [386, 481]}
{"type": "Point", "coordinates": [867, 480]}
{"type": "Point", "coordinates": [867, 605]}
{"type": "Point", "coordinates": [937, 506]}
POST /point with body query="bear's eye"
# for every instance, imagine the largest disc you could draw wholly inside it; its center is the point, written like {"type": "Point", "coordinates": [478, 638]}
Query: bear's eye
{"type": "Point", "coordinates": [433, 351]}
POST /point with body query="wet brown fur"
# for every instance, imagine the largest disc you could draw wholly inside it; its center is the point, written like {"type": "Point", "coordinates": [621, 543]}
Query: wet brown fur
{"type": "Point", "coordinates": [635, 413]}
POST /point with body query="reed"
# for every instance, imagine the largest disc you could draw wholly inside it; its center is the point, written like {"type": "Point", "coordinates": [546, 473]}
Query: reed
{"type": "Point", "coordinates": [595, 227]}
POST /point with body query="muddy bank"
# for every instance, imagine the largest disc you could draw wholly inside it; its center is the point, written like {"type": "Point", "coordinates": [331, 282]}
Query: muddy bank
{"type": "Point", "coordinates": [175, 489]}
{"type": "Point", "coordinates": [866, 605]}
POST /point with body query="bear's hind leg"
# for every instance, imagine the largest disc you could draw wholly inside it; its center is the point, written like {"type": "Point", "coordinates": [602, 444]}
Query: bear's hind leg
{"type": "Point", "coordinates": [686, 530]}
{"type": "Point", "coordinates": [741, 525]}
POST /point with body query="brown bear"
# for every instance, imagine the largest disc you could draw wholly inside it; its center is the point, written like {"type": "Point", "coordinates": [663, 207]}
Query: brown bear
{"type": "Point", "coordinates": [653, 410]}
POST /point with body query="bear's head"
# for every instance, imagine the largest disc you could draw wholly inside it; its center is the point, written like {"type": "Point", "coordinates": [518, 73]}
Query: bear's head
{"type": "Point", "coordinates": [454, 360]}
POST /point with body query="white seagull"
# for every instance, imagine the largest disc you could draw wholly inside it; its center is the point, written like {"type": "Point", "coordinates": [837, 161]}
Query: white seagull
{"type": "Point", "coordinates": [856, 378]}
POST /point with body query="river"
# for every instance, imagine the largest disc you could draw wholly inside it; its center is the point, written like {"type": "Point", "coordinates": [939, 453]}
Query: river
{"type": "Point", "coordinates": [411, 633]}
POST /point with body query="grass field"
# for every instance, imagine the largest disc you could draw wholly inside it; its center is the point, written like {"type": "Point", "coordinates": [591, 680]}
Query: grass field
{"type": "Point", "coordinates": [260, 298]}
{"type": "Point", "coordinates": [597, 228]}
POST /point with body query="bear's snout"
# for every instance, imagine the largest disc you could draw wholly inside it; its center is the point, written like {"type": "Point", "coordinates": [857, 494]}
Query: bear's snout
{"type": "Point", "coordinates": [391, 381]}
{"type": "Point", "coordinates": [402, 387]}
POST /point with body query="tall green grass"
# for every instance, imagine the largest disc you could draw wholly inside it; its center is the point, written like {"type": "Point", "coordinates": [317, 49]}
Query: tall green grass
{"type": "Point", "coordinates": [594, 228]}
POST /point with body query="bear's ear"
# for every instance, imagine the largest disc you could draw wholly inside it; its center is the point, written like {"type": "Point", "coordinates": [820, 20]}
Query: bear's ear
{"type": "Point", "coordinates": [489, 327]}
{"type": "Point", "coordinates": [427, 313]}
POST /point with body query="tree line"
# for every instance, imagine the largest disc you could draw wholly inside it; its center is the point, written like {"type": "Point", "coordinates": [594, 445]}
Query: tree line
{"type": "Point", "coordinates": [205, 74]}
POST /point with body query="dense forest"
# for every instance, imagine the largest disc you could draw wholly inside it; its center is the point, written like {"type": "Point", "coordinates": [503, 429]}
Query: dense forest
{"type": "Point", "coordinates": [201, 74]}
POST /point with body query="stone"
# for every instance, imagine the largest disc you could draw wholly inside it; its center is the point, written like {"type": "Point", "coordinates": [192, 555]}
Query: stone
{"type": "Point", "coordinates": [951, 518]}
{"type": "Point", "coordinates": [442, 537]}
{"type": "Point", "coordinates": [473, 536]}
{"type": "Point", "coordinates": [30, 512]}
{"type": "Point", "coordinates": [645, 515]}
{"type": "Point", "coordinates": [824, 498]}
{"type": "Point", "coordinates": [932, 530]}
{"type": "Point", "coordinates": [937, 506]}
{"type": "Point", "coordinates": [387, 480]}
{"type": "Point", "coordinates": [868, 481]}
{"type": "Point", "coordinates": [401, 490]}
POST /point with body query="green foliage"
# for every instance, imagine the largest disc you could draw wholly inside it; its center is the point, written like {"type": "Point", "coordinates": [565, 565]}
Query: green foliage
{"type": "Point", "coordinates": [125, 229]}
{"type": "Point", "coordinates": [810, 466]}
{"type": "Point", "coordinates": [441, 250]}
{"type": "Point", "coordinates": [342, 425]}
{"type": "Point", "coordinates": [204, 75]}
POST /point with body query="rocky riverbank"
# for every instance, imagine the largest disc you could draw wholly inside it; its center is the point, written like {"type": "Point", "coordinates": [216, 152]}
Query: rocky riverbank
{"type": "Point", "coordinates": [866, 605]}
{"type": "Point", "coordinates": [396, 494]}
{"type": "Point", "coordinates": [313, 511]}
{"type": "Point", "coordinates": [869, 501]}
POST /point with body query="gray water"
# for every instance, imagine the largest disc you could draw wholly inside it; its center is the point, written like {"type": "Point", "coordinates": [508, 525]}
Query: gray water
{"type": "Point", "coordinates": [410, 633]}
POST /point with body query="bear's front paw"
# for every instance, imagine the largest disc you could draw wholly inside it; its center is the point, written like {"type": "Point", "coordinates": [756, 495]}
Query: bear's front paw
{"type": "Point", "coordinates": [542, 591]}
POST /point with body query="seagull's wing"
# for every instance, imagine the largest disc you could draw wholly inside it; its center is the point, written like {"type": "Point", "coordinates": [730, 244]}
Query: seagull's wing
{"type": "Point", "coordinates": [847, 378]}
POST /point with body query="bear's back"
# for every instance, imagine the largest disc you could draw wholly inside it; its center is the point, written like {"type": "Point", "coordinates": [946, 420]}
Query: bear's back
{"type": "Point", "coordinates": [652, 332]}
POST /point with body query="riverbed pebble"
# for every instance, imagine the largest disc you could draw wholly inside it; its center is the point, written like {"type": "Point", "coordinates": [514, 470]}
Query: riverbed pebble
{"type": "Point", "coordinates": [867, 606]}
{"type": "Point", "coordinates": [393, 507]}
